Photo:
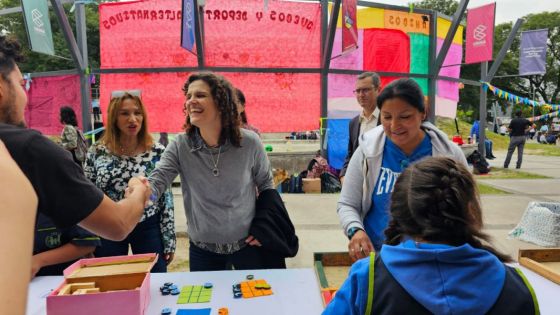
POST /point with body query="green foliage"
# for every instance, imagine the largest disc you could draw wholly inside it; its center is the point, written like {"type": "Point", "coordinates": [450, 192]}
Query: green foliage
{"type": "Point", "coordinates": [465, 115]}
{"type": "Point", "coordinates": [447, 7]}
{"type": "Point", "coordinates": [36, 62]}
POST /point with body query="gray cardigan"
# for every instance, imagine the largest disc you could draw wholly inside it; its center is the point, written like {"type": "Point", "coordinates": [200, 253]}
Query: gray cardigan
{"type": "Point", "coordinates": [355, 198]}
{"type": "Point", "coordinates": [219, 209]}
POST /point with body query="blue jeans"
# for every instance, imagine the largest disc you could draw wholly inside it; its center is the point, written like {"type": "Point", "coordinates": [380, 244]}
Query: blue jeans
{"type": "Point", "coordinates": [145, 238]}
{"type": "Point", "coordinates": [248, 257]}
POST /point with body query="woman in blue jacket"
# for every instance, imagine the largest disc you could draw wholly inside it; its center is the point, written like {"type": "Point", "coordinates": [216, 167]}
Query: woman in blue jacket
{"type": "Point", "coordinates": [436, 259]}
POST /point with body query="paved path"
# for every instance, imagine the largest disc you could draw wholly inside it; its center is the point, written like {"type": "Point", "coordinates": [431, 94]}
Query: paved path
{"type": "Point", "coordinates": [316, 222]}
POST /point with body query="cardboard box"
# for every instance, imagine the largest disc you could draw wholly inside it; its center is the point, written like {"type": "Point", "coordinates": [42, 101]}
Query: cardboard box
{"type": "Point", "coordinates": [123, 283]}
{"type": "Point", "coordinates": [311, 185]}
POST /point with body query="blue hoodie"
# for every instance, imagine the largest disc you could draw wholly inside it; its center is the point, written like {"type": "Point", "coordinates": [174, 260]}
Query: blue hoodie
{"type": "Point", "coordinates": [442, 278]}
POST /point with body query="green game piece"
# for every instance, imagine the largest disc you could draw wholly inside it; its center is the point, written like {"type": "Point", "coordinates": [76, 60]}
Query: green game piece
{"type": "Point", "coordinates": [250, 277]}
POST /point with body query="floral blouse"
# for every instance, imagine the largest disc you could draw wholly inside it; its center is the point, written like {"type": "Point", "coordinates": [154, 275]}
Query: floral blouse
{"type": "Point", "coordinates": [69, 137]}
{"type": "Point", "coordinates": [111, 174]}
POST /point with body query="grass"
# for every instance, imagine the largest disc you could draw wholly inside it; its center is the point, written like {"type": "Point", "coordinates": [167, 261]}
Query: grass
{"type": "Point", "coordinates": [500, 143]}
{"type": "Point", "coordinates": [484, 189]}
{"type": "Point", "coordinates": [506, 173]}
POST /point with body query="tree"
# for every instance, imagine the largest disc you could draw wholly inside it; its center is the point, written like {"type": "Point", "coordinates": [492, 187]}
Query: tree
{"type": "Point", "coordinates": [447, 7]}
{"type": "Point", "coordinates": [36, 62]}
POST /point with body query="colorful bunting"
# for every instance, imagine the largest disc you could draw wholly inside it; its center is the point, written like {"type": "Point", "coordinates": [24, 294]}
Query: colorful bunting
{"type": "Point", "coordinates": [517, 99]}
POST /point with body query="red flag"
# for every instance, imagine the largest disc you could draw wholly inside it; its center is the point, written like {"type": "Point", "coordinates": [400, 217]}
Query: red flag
{"type": "Point", "coordinates": [480, 33]}
{"type": "Point", "coordinates": [349, 26]}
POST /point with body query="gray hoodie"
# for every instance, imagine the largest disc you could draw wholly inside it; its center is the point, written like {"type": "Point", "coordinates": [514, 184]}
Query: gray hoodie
{"type": "Point", "coordinates": [355, 198]}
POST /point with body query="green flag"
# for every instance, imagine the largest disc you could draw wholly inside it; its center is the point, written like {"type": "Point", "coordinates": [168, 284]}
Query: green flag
{"type": "Point", "coordinates": [36, 16]}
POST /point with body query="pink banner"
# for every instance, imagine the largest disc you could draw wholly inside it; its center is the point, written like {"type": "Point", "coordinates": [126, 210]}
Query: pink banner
{"type": "Point", "coordinates": [449, 89]}
{"type": "Point", "coordinates": [349, 25]}
{"type": "Point", "coordinates": [480, 33]}
{"type": "Point", "coordinates": [241, 33]}
{"type": "Point", "coordinates": [237, 33]}
{"type": "Point", "coordinates": [351, 60]}
{"type": "Point", "coordinates": [46, 96]}
{"type": "Point", "coordinates": [142, 34]}
{"type": "Point", "coordinates": [276, 102]}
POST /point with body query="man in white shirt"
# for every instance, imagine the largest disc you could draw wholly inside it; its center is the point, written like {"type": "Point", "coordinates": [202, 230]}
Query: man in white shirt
{"type": "Point", "coordinates": [367, 89]}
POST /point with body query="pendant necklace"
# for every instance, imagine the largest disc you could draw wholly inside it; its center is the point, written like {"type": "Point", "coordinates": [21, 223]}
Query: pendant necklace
{"type": "Point", "coordinates": [215, 170]}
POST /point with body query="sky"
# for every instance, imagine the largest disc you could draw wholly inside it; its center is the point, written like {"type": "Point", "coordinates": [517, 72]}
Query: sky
{"type": "Point", "coordinates": [506, 10]}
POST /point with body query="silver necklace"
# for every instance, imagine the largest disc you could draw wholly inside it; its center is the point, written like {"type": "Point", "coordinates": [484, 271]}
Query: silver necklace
{"type": "Point", "coordinates": [215, 170]}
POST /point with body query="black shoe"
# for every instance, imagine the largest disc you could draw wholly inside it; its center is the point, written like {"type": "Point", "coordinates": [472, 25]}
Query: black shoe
{"type": "Point", "coordinates": [490, 157]}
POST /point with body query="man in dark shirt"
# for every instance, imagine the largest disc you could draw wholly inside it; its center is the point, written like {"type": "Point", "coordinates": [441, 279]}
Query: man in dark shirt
{"type": "Point", "coordinates": [517, 129]}
{"type": "Point", "coordinates": [65, 195]}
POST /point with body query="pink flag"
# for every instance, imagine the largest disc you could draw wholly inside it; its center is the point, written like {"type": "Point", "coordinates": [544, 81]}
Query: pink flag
{"type": "Point", "coordinates": [480, 33]}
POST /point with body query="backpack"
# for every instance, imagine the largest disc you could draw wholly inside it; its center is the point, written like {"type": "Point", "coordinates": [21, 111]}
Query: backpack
{"type": "Point", "coordinates": [480, 165]}
{"type": "Point", "coordinates": [330, 183]}
{"type": "Point", "coordinates": [295, 184]}
{"type": "Point", "coordinates": [81, 148]}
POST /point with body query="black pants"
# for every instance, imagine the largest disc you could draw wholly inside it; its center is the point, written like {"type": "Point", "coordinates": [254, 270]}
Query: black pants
{"type": "Point", "coordinates": [248, 257]}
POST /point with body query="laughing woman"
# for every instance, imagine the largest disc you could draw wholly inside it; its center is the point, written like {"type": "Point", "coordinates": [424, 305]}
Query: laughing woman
{"type": "Point", "coordinates": [384, 152]}
{"type": "Point", "coordinates": [127, 150]}
{"type": "Point", "coordinates": [220, 165]}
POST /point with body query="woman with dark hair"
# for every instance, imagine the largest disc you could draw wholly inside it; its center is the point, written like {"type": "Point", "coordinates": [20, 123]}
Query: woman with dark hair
{"type": "Point", "coordinates": [384, 152]}
{"type": "Point", "coordinates": [220, 165]}
{"type": "Point", "coordinates": [70, 133]}
{"type": "Point", "coordinates": [127, 149]}
{"type": "Point", "coordinates": [242, 114]}
{"type": "Point", "coordinates": [436, 259]}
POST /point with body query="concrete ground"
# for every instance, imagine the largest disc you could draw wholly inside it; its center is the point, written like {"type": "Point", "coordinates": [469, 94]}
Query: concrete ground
{"type": "Point", "coordinates": [317, 225]}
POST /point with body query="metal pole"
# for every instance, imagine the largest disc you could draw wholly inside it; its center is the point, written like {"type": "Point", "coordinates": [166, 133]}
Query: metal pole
{"type": "Point", "coordinates": [482, 122]}
{"type": "Point", "coordinates": [85, 87]}
{"type": "Point", "coordinates": [323, 123]}
{"type": "Point", "coordinates": [432, 80]}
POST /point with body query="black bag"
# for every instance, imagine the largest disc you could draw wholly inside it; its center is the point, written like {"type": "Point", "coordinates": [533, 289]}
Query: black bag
{"type": "Point", "coordinates": [480, 165]}
{"type": "Point", "coordinates": [330, 183]}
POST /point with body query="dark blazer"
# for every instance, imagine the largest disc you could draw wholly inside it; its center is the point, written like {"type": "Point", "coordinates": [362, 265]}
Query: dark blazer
{"type": "Point", "coordinates": [353, 142]}
{"type": "Point", "coordinates": [274, 230]}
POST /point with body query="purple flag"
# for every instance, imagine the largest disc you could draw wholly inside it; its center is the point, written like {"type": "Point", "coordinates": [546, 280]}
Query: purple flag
{"type": "Point", "coordinates": [190, 13]}
{"type": "Point", "coordinates": [532, 54]}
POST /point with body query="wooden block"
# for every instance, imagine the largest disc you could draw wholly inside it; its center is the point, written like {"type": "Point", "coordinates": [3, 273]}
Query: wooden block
{"type": "Point", "coordinates": [66, 290]}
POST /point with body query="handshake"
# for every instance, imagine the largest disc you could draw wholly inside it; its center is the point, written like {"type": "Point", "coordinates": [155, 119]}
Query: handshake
{"type": "Point", "coordinates": [139, 187]}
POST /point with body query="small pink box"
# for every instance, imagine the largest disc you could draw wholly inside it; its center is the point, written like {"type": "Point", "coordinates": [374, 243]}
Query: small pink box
{"type": "Point", "coordinates": [123, 282]}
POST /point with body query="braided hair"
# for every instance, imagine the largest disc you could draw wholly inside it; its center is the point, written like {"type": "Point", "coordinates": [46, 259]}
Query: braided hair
{"type": "Point", "coordinates": [225, 99]}
{"type": "Point", "coordinates": [436, 200]}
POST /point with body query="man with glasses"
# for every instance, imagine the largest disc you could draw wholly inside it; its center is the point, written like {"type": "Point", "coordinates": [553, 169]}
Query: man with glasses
{"type": "Point", "coordinates": [368, 87]}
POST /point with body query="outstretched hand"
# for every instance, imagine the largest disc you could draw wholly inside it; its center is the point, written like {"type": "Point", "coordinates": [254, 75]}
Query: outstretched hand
{"type": "Point", "coordinates": [360, 245]}
{"type": "Point", "coordinates": [140, 184]}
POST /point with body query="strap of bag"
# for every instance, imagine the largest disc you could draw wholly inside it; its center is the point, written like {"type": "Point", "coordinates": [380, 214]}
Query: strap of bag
{"type": "Point", "coordinates": [530, 288]}
{"type": "Point", "coordinates": [369, 305]}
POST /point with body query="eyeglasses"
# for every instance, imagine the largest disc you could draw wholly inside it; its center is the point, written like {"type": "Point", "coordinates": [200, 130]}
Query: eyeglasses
{"type": "Point", "coordinates": [362, 91]}
{"type": "Point", "coordinates": [121, 93]}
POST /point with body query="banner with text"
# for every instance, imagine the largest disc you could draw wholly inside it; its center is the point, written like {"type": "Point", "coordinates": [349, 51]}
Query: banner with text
{"type": "Point", "coordinates": [36, 17]}
{"type": "Point", "coordinates": [532, 54]}
{"type": "Point", "coordinates": [188, 28]}
{"type": "Point", "coordinates": [480, 33]}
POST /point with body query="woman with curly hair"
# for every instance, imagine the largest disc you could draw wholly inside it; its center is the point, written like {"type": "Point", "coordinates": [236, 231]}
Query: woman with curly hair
{"type": "Point", "coordinates": [126, 150]}
{"type": "Point", "coordinates": [220, 165]}
{"type": "Point", "coordinates": [436, 259]}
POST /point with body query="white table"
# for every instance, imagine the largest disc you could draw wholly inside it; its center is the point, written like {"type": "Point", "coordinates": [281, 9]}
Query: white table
{"type": "Point", "coordinates": [295, 291]}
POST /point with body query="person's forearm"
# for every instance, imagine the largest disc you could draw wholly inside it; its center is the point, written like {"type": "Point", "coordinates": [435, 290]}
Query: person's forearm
{"type": "Point", "coordinates": [62, 254]}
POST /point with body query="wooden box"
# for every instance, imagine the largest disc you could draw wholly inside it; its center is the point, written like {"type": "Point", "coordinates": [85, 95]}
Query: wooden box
{"type": "Point", "coordinates": [545, 262]}
{"type": "Point", "coordinates": [118, 285]}
{"type": "Point", "coordinates": [311, 185]}
{"type": "Point", "coordinates": [332, 269]}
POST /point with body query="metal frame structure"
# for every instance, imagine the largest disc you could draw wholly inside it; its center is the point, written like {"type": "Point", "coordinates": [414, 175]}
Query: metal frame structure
{"type": "Point", "coordinates": [79, 53]}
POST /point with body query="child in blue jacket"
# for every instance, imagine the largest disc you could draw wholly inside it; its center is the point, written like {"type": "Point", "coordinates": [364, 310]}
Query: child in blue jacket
{"type": "Point", "coordinates": [435, 260]}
